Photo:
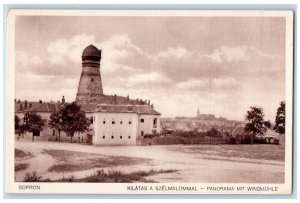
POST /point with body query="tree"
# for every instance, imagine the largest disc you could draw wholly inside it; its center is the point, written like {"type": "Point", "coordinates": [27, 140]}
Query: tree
{"type": "Point", "coordinates": [280, 119]}
{"type": "Point", "coordinates": [213, 132]}
{"type": "Point", "coordinates": [17, 122]}
{"type": "Point", "coordinates": [255, 122]}
{"type": "Point", "coordinates": [32, 123]}
{"type": "Point", "coordinates": [74, 120]}
{"type": "Point", "coordinates": [17, 126]}
{"type": "Point", "coordinates": [55, 123]}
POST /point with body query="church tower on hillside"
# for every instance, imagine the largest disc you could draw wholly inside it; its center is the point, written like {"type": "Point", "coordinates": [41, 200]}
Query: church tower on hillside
{"type": "Point", "coordinates": [90, 84]}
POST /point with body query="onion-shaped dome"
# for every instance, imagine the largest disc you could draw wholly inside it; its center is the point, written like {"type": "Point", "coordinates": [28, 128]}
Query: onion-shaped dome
{"type": "Point", "coordinates": [91, 53]}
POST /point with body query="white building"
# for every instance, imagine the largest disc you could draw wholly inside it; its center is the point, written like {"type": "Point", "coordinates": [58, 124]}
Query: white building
{"type": "Point", "coordinates": [123, 124]}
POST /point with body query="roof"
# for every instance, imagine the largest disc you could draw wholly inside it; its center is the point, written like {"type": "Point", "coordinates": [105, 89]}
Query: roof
{"type": "Point", "coordinates": [38, 107]}
{"type": "Point", "coordinates": [139, 109]}
{"type": "Point", "coordinates": [91, 50]}
{"type": "Point", "coordinates": [113, 99]}
{"type": "Point", "coordinates": [238, 131]}
{"type": "Point", "coordinates": [90, 107]}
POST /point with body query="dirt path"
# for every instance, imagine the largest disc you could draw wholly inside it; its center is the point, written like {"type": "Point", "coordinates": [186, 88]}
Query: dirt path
{"type": "Point", "coordinates": [192, 166]}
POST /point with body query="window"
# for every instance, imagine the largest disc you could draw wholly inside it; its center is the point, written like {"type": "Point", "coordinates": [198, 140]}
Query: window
{"type": "Point", "coordinates": [154, 122]}
{"type": "Point", "coordinates": [129, 122]}
{"type": "Point", "coordinates": [142, 133]}
{"type": "Point", "coordinates": [130, 108]}
{"type": "Point", "coordinates": [121, 137]}
{"type": "Point", "coordinates": [112, 137]}
{"type": "Point", "coordinates": [113, 122]}
{"type": "Point", "coordinates": [129, 137]}
{"type": "Point", "coordinates": [104, 122]}
{"type": "Point", "coordinates": [91, 120]}
{"type": "Point", "coordinates": [142, 120]}
{"type": "Point", "coordinates": [121, 122]}
{"type": "Point", "coordinates": [103, 137]}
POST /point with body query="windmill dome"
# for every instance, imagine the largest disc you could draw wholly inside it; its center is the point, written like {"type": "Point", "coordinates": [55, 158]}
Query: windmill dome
{"type": "Point", "coordinates": [91, 53]}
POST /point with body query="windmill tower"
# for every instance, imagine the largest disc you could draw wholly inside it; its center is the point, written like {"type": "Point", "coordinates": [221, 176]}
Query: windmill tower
{"type": "Point", "coordinates": [90, 84]}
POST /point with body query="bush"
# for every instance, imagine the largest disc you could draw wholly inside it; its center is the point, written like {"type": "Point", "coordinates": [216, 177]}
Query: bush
{"type": "Point", "coordinates": [232, 140]}
{"type": "Point", "coordinates": [32, 177]}
{"type": "Point", "coordinates": [149, 136]}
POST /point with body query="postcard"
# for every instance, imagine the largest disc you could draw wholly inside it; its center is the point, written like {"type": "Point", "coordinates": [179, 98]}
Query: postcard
{"type": "Point", "coordinates": [149, 102]}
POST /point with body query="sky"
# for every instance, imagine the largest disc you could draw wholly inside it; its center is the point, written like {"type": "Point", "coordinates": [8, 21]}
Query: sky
{"type": "Point", "coordinates": [219, 65]}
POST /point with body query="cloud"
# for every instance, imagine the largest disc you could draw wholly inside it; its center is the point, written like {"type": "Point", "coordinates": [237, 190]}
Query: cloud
{"type": "Point", "coordinates": [227, 82]}
{"type": "Point", "coordinates": [173, 52]}
{"type": "Point", "coordinates": [24, 60]}
{"type": "Point", "coordinates": [192, 84]}
{"type": "Point", "coordinates": [148, 78]}
{"type": "Point", "coordinates": [215, 81]}
{"type": "Point", "coordinates": [209, 84]}
{"type": "Point", "coordinates": [229, 54]}
{"type": "Point", "coordinates": [63, 50]}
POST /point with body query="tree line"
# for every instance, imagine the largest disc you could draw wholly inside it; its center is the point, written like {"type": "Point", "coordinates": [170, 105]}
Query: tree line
{"type": "Point", "coordinates": [69, 119]}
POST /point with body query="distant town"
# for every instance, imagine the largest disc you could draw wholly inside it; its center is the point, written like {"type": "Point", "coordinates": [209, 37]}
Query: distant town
{"type": "Point", "coordinates": [200, 123]}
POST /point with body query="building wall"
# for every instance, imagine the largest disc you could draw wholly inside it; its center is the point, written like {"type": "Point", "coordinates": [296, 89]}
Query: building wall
{"type": "Point", "coordinates": [146, 124]}
{"type": "Point", "coordinates": [90, 85]}
{"type": "Point", "coordinates": [117, 133]}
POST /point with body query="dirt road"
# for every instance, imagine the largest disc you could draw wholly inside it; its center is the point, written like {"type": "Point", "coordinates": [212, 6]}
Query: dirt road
{"type": "Point", "coordinates": [195, 163]}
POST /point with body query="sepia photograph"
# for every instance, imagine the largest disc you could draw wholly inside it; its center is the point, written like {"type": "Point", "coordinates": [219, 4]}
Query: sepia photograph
{"type": "Point", "coordinates": [149, 102]}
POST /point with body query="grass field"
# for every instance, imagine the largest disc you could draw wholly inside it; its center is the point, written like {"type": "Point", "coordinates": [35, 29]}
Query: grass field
{"type": "Point", "coordinates": [20, 167]}
{"type": "Point", "coordinates": [21, 154]}
{"type": "Point", "coordinates": [102, 177]}
{"type": "Point", "coordinates": [257, 151]}
{"type": "Point", "coordinates": [77, 161]}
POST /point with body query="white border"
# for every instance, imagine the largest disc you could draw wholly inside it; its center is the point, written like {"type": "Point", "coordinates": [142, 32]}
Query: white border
{"type": "Point", "coordinates": [121, 188]}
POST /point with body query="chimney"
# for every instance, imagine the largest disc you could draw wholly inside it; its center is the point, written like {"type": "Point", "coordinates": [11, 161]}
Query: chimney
{"type": "Point", "coordinates": [148, 102]}
{"type": "Point", "coordinates": [19, 101]}
{"type": "Point", "coordinates": [40, 102]}
{"type": "Point", "coordinates": [63, 100]}
{"type": "Point", "coordinates": [30, 105]}
{"type": "Point", "coordinates": [141, 101]}
{"type": "Point", "coordinates": [152, 106]}
{"type": "Point", "coordinates": [127, 97]}
{"type": "Point", "coordinates": [25, 104]}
